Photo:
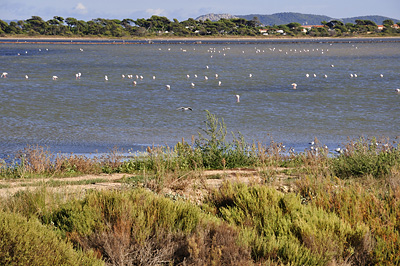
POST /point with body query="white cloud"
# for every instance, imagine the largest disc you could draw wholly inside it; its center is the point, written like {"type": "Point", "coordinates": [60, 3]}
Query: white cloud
{"type": "Point", "coordinates": [80, 8]}
{"type": "Point", "coordinates": [156, 12]}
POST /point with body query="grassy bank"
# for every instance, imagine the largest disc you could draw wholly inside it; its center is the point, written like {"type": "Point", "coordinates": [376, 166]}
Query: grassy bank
{"type": "Point", "coordinates": [309, 208]}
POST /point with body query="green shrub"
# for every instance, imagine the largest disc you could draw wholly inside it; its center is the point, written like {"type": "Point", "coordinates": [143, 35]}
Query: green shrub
{"type": "Point", "coordinates": [279, 228]}
{"type": "Point", "coordinates": [140, 228]}
{"type": "Point", "coordinates": [377, 205]}
{"type": "Point", "coordinates": [28, 242]}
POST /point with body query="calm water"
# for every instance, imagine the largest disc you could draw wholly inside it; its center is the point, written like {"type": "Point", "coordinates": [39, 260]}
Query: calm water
{"type": "Point", "coordinates": [90, 114]}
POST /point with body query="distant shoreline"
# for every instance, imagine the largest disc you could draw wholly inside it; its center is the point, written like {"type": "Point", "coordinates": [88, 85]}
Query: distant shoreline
{"type": "Point", "coordinates": [198, 39]}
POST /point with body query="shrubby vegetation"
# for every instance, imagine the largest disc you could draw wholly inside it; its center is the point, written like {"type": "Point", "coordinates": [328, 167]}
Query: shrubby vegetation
{"type": "Point", "coordinates": [162, 26]}
{"type": "Point", "coordinates": [329, 210]}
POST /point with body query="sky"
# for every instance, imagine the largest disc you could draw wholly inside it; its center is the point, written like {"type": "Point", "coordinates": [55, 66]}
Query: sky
{"type": "Point", "coordinates": [183, 9]}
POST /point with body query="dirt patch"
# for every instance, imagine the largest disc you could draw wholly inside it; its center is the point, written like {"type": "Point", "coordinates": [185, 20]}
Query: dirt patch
{"type": "Point", "coordinates": [99, 182]}
{"type": "Point", "coordinates": [193, 186]}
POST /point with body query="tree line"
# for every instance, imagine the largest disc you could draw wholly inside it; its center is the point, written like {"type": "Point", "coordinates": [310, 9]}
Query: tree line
{"type": "Point", "coordinates": [162, 26]}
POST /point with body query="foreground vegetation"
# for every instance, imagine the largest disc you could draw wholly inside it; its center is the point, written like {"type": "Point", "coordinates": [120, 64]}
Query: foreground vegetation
{"type": "Point", "coordinates": [162, 26]}
{"type": "Point", "coordinates": [310, 208]}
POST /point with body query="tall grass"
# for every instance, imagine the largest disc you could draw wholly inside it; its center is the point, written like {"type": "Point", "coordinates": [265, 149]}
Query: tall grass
{"type": "Point", "coordinates": [367, 156]}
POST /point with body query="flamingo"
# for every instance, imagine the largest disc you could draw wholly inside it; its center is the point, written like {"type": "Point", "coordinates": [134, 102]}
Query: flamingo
{"type": "Point", "coordinates": [294, 86]}
{"type": "Point", "coordinates": [192, 84]}
{"type": "Point", "coordinates": [398, 90]}
{"type": "Point", "coordinates": [219, 83]}
{"type": "Point", "coordinates": [106, 78]}
{"type": "Point", "coordinates": [55, 77]}
{"type": "Point", "coordinates": [4, 75]}
{"type": "Point", "coordinates": [168, 87]}
{"type": "Point", "coordinates": [237, 98]}
{"type": "Point", "coordinates": [26, 77]}
{"type": "Point", "coordinates": [134, 83]}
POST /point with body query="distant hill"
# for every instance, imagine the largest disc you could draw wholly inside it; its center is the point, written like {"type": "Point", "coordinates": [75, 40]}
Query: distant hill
{"type": "Point", "coordinates": [215, 17]}
{"type": "Point", "coordinates": [377, 19]}
{"type": "Point", "coordinates": [288, 17]}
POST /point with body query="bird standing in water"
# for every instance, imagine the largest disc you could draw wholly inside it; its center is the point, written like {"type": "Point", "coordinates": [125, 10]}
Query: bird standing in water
{"type": "Point", "coordinates": [237, 98]}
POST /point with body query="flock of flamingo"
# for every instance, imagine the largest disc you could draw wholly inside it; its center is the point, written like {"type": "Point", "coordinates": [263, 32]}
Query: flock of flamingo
{"type": "Point", "coordinates": [211, 51]}
{"type": "Point", "coordinates": [214, 50]}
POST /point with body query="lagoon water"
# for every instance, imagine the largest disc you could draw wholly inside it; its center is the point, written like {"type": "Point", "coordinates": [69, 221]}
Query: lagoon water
{"type": "Point", "coordinates": [91, 114]}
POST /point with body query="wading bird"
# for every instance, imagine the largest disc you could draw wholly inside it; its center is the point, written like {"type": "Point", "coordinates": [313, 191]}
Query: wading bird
{"type": "Point", "coordinates": [237, 98]}
{"type": "Point", "coordinates": [168, 87]}
{"type": "Point", "coordinates": [4, 74]}
{"type": "Point", "coordinates": [294, 86]}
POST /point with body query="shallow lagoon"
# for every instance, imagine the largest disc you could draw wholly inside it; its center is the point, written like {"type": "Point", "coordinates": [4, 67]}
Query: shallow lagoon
{"type": "Point", "coordinates": [90, 114]}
